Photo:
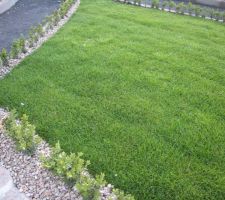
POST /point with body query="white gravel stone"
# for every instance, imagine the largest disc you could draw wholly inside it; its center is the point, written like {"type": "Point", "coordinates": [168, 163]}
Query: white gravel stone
{"type": "Point", "coordinates": [31, 178]}
{"type": "Point", "coordinates": [28, 175]}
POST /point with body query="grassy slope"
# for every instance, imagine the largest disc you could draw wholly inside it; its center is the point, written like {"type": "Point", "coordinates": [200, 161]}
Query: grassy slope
{"type": "Point", "coordinates": [140, 92]}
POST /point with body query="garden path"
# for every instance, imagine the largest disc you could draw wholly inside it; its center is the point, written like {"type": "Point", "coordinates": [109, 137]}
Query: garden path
{"type": "Point", "coordinates": [7, 189]}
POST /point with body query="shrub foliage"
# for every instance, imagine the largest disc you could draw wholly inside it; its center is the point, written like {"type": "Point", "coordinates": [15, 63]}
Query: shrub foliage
{"type": "Point", "coordinates": [22, 132]}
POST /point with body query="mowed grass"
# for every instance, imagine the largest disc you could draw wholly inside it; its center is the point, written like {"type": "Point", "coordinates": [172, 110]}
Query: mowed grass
{"type": "Point", "coordinates": [140, 92]}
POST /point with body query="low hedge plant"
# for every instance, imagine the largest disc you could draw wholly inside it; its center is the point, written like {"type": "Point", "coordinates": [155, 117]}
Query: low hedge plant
{"type": "Point", "coordinates": [181, 8]}
{"type": "Point", "coordinates": [4, 57]}
{"type": "Point", "coordinates": [73, 169]}
{"type": "Point", "coordinates": [22, 132]}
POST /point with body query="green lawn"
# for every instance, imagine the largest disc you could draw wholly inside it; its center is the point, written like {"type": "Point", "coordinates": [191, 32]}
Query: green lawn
{"type": "Point", "coordinates": [139, 91]}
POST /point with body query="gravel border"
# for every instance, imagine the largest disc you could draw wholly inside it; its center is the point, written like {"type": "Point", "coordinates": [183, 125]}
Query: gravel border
{"type": "Point", "coordinates": [172, 10]}
{"type": "Point", "coordinates": [14, 62]}
{"type": "Point", "coordinates": [31, 178]}
{"type": "Point", "coordinates": [28, 174]}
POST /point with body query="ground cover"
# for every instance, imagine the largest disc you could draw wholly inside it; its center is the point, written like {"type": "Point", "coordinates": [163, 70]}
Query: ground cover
{"type": "Point", "coordinates": [140, 92]}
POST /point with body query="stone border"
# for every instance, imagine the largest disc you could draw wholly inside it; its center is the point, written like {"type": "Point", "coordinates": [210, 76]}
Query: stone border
{"type": "Point", "coordinates": [14, 62]}
{"type": "Point", "coordinates": [6, 5]}
{"type": "Point", "coordinates": [172, 10]}
{"type": "Point", "coordinates": [31, 178]}
{"type": "Point", "coordinates": [27, 172]}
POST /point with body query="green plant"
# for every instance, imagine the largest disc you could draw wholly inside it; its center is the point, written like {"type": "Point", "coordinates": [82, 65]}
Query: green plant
{"type": "Point", "coordinates": [49, 24]}
{"type": "Point", "coordinates": [223, 17]}
{"type": "Point", "coordinates": [64, 7]}
{"type": "Point", "coordinates": [22, 45]}
{"type": "Point", "coordinates": [121, 195]}
{"type": "Point", "coordinates": [190, 8]}
{"type": "Point", "coordinates": [139, 2]}
{"type": "Point", "coordinates": [204, 12]}
{"type": "Point", "coordinates": [217, 15]}
{"type": "Point", "coordinates": [182, 7]}
{"type": "Point", "coordinates": [15, 49]}
{"type": "Point", "coordinates": [197, 10]}
{"type": "Point", "coordinates": [211, 12]}
{"type": "Point", "coordinates": [68, 166]}
{"type": "Point", "coordinates": [33, 38]}
{"type": "Point", "coordinates": [39, 31]}
{"type": "Point", "coordinates": [90, 187]}
{"type": "Point", "coordinates": [164, 4]}
{"type": "Point", "coordinates": [104, 100]}
{"type": "Point", "coordinates": [135, 2]}
{"type": "Point", "coordinates": [55, 18]}
{"type": "Point", "coordinates": [178, 7]}
{"type": "Point", "coordinates": [44, 21]}
{"type": "Point", "coordinates": [10, 121]}
{"type": "Point", "coordinates": [145, 3]}
{"type": "Point", "coordinates": [4, 57]}
{"type": "Point", "coordinates": [1, 63]}
{"type": "Point", "coordinates": [171, 5]}
{"type": "Point", "coordinates": [155, 3]}
{"type": "Point", "coordinates": [22, 132]}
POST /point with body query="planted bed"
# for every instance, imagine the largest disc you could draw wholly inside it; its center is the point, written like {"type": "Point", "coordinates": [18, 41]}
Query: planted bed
{"type": "Point", "coordinates": [140, 92]}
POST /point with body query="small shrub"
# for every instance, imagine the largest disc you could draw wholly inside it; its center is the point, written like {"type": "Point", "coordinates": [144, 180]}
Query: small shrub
{"type": "Point", "coordinates": [197, 10]}
{"type": "Point", "coordinates": [49, 25]}
{"type": "Point", "coordinates": [33, 38]}
{"type": "Point", "coordinates": [155, 3]}
{"type": "Point", "coordinates": [55, 18]}
{"type": "Point", "coordinates": [223, 17]}
{"type": "Point", "coordinates": [74, 169]}
{"type": "Point", "coordinates": [22, 45]}
{"type": "Point", "coordinates": [22, 132]}
{"type": "Point", "coordinates": [139, 2]}
{"type": "Point", "coordinates": [1, 63]}
{"type": "Point", "coordinates": [15, 49]}
{"type": "Point", "coordinates": [4, 57]}
{"type": "Point", "coordinates": [211, 13]}
{"type": "Point", "coordinates": [122, 196]}
{"type": "Point", "coordinates": [90, 187]}
{"type": "Point", "coordinates": [190, 8]}
{"type": "Point", "coordinates": [178, 8]}
{"type": "Point", "coordinates": [44, 22]}
{"type": "Point", "coordinates": [164, 4]}
{"type": "Point", "coordinates": [204, 12]}
{"type": "Point", "coordinates": [217, 15]}
{"type": "Point", "coordinates": [171, 5]}
{"type": "Point", "coordinates": [67, 166]}
{"type": "Point", "coordinates": [182, 8]}
{"type": "Point", "coordinates": [39, 30]}
{"type": "Point", "coordinates": [64, 7]}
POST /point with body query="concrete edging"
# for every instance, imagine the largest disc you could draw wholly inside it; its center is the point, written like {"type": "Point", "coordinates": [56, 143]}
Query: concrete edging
{"type": "Point", "coordinates": [6, 182]}
{"type": "Point", "coordinates": [6, 5]}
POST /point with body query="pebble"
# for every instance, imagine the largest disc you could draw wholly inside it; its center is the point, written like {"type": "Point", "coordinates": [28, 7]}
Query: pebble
{"type": "Point", "coordinates": [31, 178]}
{"type": "Point", "coordinates": [36, 182]}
